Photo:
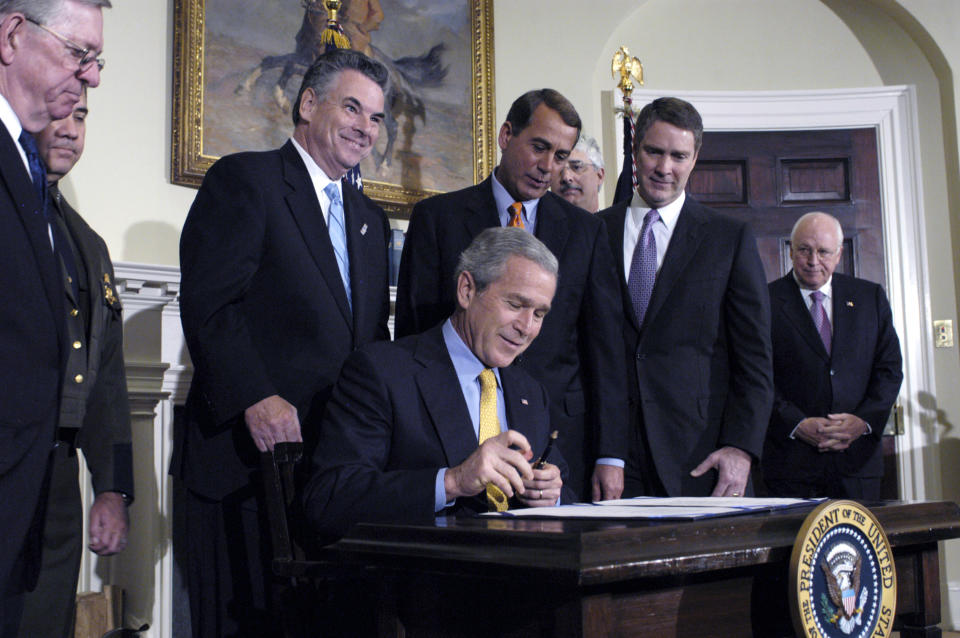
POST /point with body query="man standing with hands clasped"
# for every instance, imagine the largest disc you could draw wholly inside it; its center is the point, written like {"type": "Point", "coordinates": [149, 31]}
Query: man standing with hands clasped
{"type": "Point", "coordinates": [837, 371]}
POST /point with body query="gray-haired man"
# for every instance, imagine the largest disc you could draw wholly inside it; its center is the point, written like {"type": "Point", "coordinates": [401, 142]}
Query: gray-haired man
{"type": "Point", "coordinates": [48, 52]}
{"type": "Point", "coordinates": [580, 179]}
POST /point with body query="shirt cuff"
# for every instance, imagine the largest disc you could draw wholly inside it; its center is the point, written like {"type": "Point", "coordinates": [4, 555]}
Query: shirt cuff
{"type": "Point", "coordinates": [440, 492]}
{"type": "Point", "coordinates": [609, 460]}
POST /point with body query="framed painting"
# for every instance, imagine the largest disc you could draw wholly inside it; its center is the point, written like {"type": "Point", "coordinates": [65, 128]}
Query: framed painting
{"type": "Point", "coordinates": [238, 65]}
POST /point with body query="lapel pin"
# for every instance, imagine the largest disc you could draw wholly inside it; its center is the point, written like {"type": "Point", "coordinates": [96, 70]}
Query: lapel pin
{"type": "Point", "coordinates": [850, 304]}
{"type": "Point", "coordinates": [363, 229]}
{"type": "Point", "coordinates": [524, 402]}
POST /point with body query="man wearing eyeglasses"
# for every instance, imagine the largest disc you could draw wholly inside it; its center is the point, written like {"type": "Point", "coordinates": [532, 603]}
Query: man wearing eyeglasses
{"type": "Point", "coordinates": [837, 371]}
{"type": "Point", "coordinates": [48, 53]}
{"type": "Point", "coordinates": [579, 181]}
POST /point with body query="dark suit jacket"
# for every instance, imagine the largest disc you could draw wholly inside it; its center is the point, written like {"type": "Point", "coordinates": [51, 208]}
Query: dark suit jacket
{"type": "Point", "coordinates": [576, 347]}
{"type": "Point", "coordinates": [105, 435]}
{"type": "Point", "coordinates": [264, 309]}
{"type": "Point", "coordinates": [860, 376]}
{"type": "Point", "coordinates": [32, 357]}
{"type": "Point", "coordinates": [396, 417]}
{"type": "Point", "coordinates": [700, 367]}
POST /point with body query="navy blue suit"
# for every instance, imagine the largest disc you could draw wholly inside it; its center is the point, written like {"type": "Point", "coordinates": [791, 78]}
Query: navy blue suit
{"type": "Point", "coordinates": [699, 371]}
{"type": "Point", "coordinates": [32, 358]}
{"type": "Point", "coordinates": [264, 312]}
{"type": "Point", "coordinates": [861, 375]}
{"type": "Point", "coordinates": [577, 346]}
{"type": "Point", "coordinates": [396, 417]}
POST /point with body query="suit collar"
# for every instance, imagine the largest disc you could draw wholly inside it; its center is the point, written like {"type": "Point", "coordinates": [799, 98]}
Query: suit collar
{"type": "Point", "coordinates": [305, 208]}
{"type": "Point", "coordinates": [795, 309]}
{"type": "Point", "coordinates": [481, 208]}
{"type": "Point", "coordinates": [688, 234]}
{"type": "Point", "coordinates": [447, 408]}
{"type": "Point", "coordinates": [552, 227]}
{"type": "Point", "coordinates": [17, 179]}
{"type": "Point", "coordinates": [616, 217]}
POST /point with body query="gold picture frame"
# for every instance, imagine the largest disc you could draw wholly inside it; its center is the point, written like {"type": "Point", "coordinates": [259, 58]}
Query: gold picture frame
{"type": "Point", "coordinates": [211, 119]}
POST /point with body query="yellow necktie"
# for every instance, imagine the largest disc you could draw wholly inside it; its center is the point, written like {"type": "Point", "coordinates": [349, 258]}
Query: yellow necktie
{"type": "Point", "coordinates": [490, 427]}
{"type": "Point", "coordinates": [516, 220]}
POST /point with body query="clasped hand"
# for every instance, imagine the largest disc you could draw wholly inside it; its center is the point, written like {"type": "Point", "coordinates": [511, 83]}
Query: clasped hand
{"type": "Point", "coordinates": [504, 460]}
{"type": "Point", "coordinates": [833, 433]}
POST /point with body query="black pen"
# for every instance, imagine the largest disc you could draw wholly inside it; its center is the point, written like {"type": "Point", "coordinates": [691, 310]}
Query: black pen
{"type": "Point", "coordinates": [546, 452]}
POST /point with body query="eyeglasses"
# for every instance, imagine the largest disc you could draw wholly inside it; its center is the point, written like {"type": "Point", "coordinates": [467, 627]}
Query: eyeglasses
{"type": "Point", "coordinates": [84, 57]}
{"type": "Point", "coordinates": [822, 253]}
{"type": "Point", "coordinates": [579, 166]}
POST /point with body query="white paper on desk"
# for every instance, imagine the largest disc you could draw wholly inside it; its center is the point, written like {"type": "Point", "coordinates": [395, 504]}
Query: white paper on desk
{"type": "Point", "coordinates": [646, 507]}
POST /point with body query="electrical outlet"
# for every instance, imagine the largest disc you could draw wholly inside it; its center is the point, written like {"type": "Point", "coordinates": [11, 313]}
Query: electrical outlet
{"type": "Point", "coordinates": [943, 333]}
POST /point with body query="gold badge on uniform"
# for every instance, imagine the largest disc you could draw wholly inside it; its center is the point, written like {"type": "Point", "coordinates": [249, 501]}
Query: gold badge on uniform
{"type": "Point", "coordinates": [842, 578]}
{"type": "Point", "coordinates": [109, 293]}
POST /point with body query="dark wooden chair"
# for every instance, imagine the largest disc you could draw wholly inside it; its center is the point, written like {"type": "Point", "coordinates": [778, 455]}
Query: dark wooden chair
{"type": "Point", "coordinates": [310, 592]}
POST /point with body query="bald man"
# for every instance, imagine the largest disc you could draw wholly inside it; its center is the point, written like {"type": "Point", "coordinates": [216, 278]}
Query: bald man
{"type": "Point", "coordinates": [837, 371]}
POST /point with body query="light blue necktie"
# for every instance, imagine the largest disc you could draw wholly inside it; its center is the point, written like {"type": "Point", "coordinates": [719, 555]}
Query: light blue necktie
{"type": "Point", "coordinates": [338, 236]}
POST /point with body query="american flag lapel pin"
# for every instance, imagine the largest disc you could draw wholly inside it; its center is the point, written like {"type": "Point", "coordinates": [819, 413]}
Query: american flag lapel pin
{"type": "Point", "coordinates": [524, 402]}
{"type": "Point", "coordinates": [850, 304]}
{"type": "Point", "coordinates": [363, 229]}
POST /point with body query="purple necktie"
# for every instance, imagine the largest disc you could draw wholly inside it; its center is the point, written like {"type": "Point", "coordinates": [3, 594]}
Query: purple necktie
{"type": "Point", "coordinates": [820, 319]}
{"type": "Point", "coordinates": [643, 266]}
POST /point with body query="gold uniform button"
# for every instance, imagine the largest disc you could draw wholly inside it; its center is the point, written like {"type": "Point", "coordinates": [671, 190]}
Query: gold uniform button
{"type": "Point", "coordinates": [74, 312]}
{"type": "Point", "coordinates": [78, 378]}
{"type": "Point", "coordinates": [77, 345]}
{"type": "Point", "coordinates": [69, 279]}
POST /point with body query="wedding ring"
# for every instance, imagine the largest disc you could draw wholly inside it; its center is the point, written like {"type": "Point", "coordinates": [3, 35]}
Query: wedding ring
{"type": "Point", "coordinates": [735, 494]}
{"type": "Point", "coordinates": [541, 494]}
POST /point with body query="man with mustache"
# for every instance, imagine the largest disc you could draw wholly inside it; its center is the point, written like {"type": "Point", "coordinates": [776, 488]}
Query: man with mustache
{"type": "Point", "coordinates": [98, 418]}
{"type": "Point", "coordinates": [576, 348]}
{"type": "Point", "coordinates": [49, 50]}
{"type": "Point", "coordinates": [284, 273]}
{"type": "Point", "coordinates": [579, 181]}
{"type": "Point", "coordinates": [696, 329]}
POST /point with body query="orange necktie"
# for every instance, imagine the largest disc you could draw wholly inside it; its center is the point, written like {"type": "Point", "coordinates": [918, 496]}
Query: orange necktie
{"type": "Point", "coordinates": [516, 220]}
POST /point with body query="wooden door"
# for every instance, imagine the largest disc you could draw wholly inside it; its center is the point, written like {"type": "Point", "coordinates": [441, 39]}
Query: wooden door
{"type": "Point", "coordinates": [771, 178]}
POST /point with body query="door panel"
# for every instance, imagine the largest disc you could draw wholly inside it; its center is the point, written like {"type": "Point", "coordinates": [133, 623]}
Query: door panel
{"type": "Point", "coordinates": [771, 178]}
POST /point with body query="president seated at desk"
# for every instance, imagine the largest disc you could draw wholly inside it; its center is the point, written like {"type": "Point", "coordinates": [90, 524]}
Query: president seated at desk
{"type": "Point", "coordinates": [400, 443]}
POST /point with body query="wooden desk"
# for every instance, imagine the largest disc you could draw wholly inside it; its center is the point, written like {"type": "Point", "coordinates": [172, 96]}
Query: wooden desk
{"type": "Point", "coordinates": [721, 577]}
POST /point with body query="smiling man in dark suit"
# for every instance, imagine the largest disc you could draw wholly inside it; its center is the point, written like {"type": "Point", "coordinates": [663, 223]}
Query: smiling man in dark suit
{"type": "Point", "coordinates": [697, 322]}
{"type": "Point", "coordinates": [48, 52]}
{"type": "Point", "coordinates": [577, 346]}
{"type": "Point", "coordinates": [284, 273]}
{"type": "Point", "coordinates": [837, 371]}
{"type": "Point", "coordinates": [406, 436]}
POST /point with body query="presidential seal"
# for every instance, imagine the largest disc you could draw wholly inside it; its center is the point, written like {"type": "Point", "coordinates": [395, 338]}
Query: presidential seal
{"type": "Point", "coordinates": [843, 583]}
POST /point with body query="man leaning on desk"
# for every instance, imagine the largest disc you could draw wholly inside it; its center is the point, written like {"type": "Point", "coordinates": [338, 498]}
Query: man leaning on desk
{"type": "Point", "coordinates": [399, 442]}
